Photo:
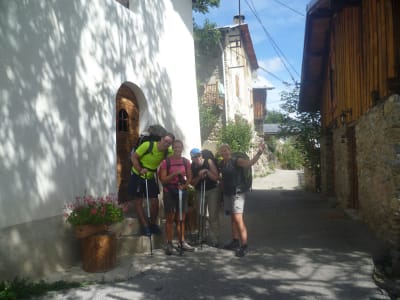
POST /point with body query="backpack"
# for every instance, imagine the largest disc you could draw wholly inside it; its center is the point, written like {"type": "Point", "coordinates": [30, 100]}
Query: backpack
{"type": "Point", "coordinates": [207, 154]}
{"type": "Point", "coordinates": [246, 174]}
{"type": "Point", "coordinates": [185, 162]}
{"type": "Point", "coordinates": [154, 133]}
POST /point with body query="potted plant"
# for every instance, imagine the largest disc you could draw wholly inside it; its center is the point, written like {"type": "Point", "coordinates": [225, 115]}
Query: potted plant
{"type": "Point", "coordinates": [89, 214]}
{"type": "Point", "coordinates": [91, 217]}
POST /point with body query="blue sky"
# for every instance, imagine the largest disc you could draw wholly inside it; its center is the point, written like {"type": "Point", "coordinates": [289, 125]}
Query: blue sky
{"type": "Point", "coordinates": [280, 23]}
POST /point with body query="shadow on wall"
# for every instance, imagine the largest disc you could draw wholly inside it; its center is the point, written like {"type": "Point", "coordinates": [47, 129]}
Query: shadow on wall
{"type": "Point", "coordinates": [55, 118]}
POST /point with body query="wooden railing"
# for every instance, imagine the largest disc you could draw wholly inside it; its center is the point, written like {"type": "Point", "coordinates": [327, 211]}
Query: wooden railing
{"type": "Point", "coordinates": [211, 95]}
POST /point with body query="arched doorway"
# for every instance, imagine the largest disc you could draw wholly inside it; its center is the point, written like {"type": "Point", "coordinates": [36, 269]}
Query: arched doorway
{"type": "Point", "coordinates": [127, 128]}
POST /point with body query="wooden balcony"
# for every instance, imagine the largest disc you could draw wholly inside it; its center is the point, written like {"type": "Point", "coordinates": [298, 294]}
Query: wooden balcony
{"type": "Point", "coordinates": [211, 95]}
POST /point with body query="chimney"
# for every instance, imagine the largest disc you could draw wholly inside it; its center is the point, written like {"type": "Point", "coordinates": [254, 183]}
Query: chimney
{"type": "Point", "coordinates": [238, 19]}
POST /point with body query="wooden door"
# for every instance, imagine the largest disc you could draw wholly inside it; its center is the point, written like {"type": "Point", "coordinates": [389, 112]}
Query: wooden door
{"type": "Point", "coordinates": [127, 128]}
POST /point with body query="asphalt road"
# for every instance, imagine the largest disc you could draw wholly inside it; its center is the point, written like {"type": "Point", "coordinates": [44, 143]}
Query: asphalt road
{"type": "Point", "coordinates": [300, 248]}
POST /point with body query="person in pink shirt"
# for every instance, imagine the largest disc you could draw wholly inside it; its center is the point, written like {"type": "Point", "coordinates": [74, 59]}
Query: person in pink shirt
{"type": "Point", "coordinates": [175, 175]}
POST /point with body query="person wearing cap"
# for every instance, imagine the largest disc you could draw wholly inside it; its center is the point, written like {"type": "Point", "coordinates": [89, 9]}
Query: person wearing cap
{"type": "Point", "coordinates": [205, 171]}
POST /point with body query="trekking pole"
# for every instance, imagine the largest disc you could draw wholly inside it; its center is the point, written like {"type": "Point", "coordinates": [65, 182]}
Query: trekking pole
{"type": "Point", "coordinates": [148, 215]}
{"type": "Point", "coordinates": [180, 222]}
{"type": "Point", "coordinates": [201, 212]}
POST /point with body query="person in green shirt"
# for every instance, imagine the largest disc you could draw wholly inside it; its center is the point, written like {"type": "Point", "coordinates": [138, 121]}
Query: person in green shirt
{"type": "Point", "coordinates": [143, 175]}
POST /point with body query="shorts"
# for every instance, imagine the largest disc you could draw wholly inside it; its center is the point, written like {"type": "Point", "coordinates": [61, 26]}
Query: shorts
{"type": "Point", "coordinates": [234, 203]}
{"type": "Point", "coordinates": [137, 187]}
{"type": "Point", "coordinates": [171, 201]}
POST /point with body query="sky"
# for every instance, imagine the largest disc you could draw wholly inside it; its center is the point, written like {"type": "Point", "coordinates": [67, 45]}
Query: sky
{"type": "Point", "coordinates": [277, 32]}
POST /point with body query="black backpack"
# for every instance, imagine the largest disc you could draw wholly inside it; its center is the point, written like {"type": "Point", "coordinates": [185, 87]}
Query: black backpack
{"type": "Point", "coordinates": [246, 174]}
{"type": "Point", "coordinates": [154, 133]}
{"type": "Point", "coordinates": [207, 154]}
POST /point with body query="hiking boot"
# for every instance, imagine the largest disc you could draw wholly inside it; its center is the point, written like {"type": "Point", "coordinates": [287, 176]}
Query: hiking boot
{"type": "Point", "coordinates": [233, 245]}
{"type": "Point", "coordinates": [186, 246]}
{"type": "Point", "coordinates": [241, 251]}
{"type": "Point", "coordinates": [146, 231]}
{"type": "Point", "coordinates": [155, 229]}
{"type": "Point", "coordinates": [169, 248]}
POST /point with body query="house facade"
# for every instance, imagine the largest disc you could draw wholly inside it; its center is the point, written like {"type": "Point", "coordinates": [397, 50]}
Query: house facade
{"type": "Point", "coordinates": [80, 80]}
{"type": "Point", "coordinates": [351, 73]}
{"type": "Point", "coordinates": [230, 83]}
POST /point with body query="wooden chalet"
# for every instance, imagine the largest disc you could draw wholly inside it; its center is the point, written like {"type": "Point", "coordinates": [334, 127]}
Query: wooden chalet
{"type": "Point", "coordinates": [351, 74]}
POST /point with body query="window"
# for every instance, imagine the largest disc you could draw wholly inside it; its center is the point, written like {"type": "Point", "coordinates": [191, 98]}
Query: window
{"type": "Point", "coordinates": [122, 120]}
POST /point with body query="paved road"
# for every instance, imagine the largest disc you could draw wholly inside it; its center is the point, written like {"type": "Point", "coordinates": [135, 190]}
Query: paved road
{"type": "Point", "coordinates": [300, 248]}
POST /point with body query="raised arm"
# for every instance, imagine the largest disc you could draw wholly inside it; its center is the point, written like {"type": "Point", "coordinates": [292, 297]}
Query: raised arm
{"type": "Point", "coordinates": [247, 163]}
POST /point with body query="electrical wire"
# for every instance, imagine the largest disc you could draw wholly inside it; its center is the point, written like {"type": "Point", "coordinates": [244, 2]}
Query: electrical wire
{"type": "Point", "coordinates": [279, 52]}
{"type": "Point", "coordinates": [288, 7]}
{"type": "Point", "coordinates": [272, 74]}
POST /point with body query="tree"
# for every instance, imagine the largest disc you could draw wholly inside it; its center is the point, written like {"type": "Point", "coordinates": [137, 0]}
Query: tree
{"type": "Point", "coordinates": [305, 127]}
{"type": "Point", "coordinates": [207, 48]}
{"type": "Point", "coordinates": [202, 6]}
{"type": "Point", "coordinates": [237, 135]}
{"type": "Point", "coordinates": [273, 117]}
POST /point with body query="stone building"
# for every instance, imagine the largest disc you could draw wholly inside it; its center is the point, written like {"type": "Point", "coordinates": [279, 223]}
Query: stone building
{"type": "Point", "coordinates": [230, 84]}
{"type": "Point", "coordinates": [351, 74]}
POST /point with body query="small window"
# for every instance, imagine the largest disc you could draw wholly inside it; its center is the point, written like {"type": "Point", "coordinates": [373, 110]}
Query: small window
{"type": "Point", "coordinates": [122, 120]}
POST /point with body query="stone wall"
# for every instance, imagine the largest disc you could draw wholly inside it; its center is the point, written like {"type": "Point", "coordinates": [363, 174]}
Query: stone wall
{"type": "Point", "coordinates": [327, 184]}
{"type": "Point", "coordinates": [377, 137]}
{"type": "Point", "coordinates": [378, 171]}
{"type": "Point", "coordinates": [341, 169]}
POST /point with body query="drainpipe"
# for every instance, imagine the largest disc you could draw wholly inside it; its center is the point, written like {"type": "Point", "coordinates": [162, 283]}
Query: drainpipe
{"type": "Point", "coordinates": [226, 84]}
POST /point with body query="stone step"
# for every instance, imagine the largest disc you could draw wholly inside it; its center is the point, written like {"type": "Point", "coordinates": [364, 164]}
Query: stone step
{"type": "Point", "coordinates": [130, 241]}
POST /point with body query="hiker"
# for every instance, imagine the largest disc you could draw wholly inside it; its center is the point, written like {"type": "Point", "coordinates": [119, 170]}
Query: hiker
{"type": "Point", "coordinates": [143, 170]}
{"type": "Point", "coordinates": [234, 195]}
{"type": "Point", "coordinates": [175, 175]}
{"type": "Point", "coordinates": [205, 172]}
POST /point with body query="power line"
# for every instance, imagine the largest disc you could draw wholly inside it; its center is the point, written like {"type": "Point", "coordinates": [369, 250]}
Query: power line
{"type": "Point", "coordinates": [273, 43]}
{"type": "Point", "coordinates": [288, 7]}
{"type": "Point", "coordinates": [273, 75]}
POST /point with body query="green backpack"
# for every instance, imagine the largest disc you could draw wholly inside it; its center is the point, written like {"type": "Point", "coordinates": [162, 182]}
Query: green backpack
{"type": "Point", "coordinates": [246, 174]}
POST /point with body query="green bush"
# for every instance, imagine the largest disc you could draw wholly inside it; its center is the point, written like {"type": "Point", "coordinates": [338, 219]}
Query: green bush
{"type": "Point", "coordinates": [289, 157]}
{"type": "Point", "coordinates": [237, 135]}
{"type": "Point", "coordinates": [25, 289]}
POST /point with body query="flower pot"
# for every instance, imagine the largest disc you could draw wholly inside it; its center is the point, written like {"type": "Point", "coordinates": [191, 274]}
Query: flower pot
{"type": "Point", "coordinates": [83, 231]}
{"type": "Point", "coordinates": [99, 252]}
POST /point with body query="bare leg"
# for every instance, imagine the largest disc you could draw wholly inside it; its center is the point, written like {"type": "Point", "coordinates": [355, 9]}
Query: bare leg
{"type": "Point", "coordinates": [239, 229]}
{"type": "Point", "coordinates": [154, 210]}
{"type": "Point", "coordinates": [140, 212]}
{"type": "Point", "coordinates": [180, 231]}
{"type": "Point", "coordinates": [170, 216]}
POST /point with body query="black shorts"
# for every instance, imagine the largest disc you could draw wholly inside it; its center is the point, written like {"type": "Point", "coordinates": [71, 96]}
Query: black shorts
{"type": "Point", "coordinates": [137, 187]}
{"type": "Point", "coordinates": [171, 201]}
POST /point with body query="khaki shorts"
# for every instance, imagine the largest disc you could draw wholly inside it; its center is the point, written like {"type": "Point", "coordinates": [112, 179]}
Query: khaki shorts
{"type": "Point", "coordinates": [235, 203]}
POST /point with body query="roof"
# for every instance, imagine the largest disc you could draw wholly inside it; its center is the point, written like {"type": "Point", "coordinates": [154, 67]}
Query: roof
{"type": "Point", "coordinates": [316, 50]}
{"type": "Point", "coordinates": [248, 43]}
{"type": "Point", "coordinates": [271, 129]}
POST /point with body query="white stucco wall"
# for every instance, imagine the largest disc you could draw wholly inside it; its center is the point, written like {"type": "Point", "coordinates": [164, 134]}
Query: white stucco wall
{"type": "Point", "coordinates": [62, 63]}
